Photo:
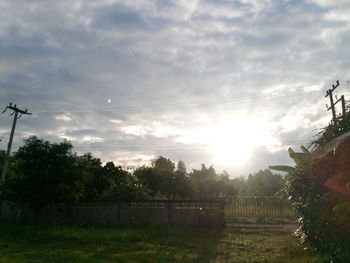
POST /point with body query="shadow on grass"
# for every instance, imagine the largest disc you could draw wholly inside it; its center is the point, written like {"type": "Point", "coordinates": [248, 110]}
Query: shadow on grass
{"type": "Point", "coordinates": [26, 243]}
{"type": "Point", "coordinates": [148, 244]}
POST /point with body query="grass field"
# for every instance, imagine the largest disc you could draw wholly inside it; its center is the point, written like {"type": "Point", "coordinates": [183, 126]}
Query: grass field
{"type": "Point", "coordinates": [25, 243]}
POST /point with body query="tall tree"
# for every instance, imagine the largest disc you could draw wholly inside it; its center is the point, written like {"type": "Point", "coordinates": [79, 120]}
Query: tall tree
{"type": "Point", "coordinates": [48, 175]}
{"type": "Point", "coordinates": [181, 184]}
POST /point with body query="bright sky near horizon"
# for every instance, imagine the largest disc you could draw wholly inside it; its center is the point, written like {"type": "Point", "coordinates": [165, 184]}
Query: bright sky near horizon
{"type": "Point", "coordinates": [228, 83]}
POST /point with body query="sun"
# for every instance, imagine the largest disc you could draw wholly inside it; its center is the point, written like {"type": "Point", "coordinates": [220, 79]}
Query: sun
{"type": "Point", "coordinates": [232, 146]}
{"type": "Point", "coordinates": [233, 142]}
{"type": "Point", "coordinates": [231, 152]}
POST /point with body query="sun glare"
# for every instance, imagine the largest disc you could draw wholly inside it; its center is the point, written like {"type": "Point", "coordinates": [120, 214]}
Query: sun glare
{"type": "Point", "coordinates": [233, 142]}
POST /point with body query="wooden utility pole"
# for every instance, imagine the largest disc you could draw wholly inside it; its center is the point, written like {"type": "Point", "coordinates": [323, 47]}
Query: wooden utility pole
{"type": "Point", "coordinates": [15, 112]}
{"type": "Point", "coordinates": [332, 107]}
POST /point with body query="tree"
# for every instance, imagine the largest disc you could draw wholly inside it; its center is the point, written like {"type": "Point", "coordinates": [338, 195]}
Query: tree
{"type": "Point", "coordinates": [163, 180]}
{"type": "Point", "coordinates": [228, 186]}
{"type": "Point", "coordinates": [240, 184]}
{"type": "Point", "coordinates": [181, 182]}
{"type": "Point", "coordinates": [47, 175]}
{"type": "Point", "coordinates": [95, 183]}
{"type": "Point", "coordinates": [206, 184]}
{"type": "Point", "coordinates": [165, 168]}
{"type": "Point", "coordinates": [149, 179]}
{"type": "Point", "coordinates": [122, 186]}
{"type": "Point", "coordinates": [108, 182]}
{"type": "Point", "coordinates": [264, 183]}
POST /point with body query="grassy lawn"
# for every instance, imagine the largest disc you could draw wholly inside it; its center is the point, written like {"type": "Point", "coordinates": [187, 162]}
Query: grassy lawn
{"type": "Point", "coordinates": [24, 243]}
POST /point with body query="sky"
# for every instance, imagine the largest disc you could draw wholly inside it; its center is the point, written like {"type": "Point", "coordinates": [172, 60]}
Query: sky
{"type": "Point", "coordinates": [231, 84]}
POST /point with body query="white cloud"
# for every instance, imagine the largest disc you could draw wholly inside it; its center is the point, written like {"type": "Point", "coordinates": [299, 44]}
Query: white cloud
{"type": "Point", "coordinates": [134, 130]}
{"type": "Point", "coordinates": [329, 3]}
{"type": "Point", "coordinates": [176, 73]}
{"type": "Point", "coordinates": [116, 121]}
{"type": "Point", "coordinates": [63, 117]}
{"type": "Point", "coordinates": [92, 139]}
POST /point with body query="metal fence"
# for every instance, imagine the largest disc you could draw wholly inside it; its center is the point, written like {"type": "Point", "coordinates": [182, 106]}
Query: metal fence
{"type": "Point", "coordinates": [257, 212]}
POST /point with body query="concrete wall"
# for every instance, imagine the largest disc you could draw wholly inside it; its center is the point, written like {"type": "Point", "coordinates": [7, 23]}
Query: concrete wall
{"type": "Point", "coordinates": [10, 212]}
{"type": "Point", "coordinates": [186, 212]}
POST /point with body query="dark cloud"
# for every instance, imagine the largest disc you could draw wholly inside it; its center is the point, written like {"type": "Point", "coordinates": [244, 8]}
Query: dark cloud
{"type": "Point", "coordinates": [117, 17]}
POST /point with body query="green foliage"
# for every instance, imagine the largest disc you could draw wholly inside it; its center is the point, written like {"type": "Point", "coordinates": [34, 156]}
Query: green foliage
{"type": "Point", "coordinates": [108, 182]}
{"type": "Point", "coordinates": [263, 183]}
{"type": "Point", "coordinates": [11, 168]}
{"type": "Point", "coordinates": [333, 130]}
{"type": "Point", "coordinates": [44, 174]}
{"type": "Point", "coordinates": [317, 188]}
{"type": "Point", "coordinates": [163, 180]}
{"type": "Point", "coordinates": [207, 184]}
{"type": "Point", "coordinates": [47, 175]}
{"type": "Point", "coordinates": [149, 179]}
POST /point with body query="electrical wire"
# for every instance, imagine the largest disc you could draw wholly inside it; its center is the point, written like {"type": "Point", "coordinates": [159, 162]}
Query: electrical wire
{"type": "Point", "coordinates": [178, 106]}
{"type": "Point", "coordinates": [152, 148]}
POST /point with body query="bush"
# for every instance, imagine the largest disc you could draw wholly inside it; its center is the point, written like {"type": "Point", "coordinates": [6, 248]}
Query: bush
{"type": "Point", "coordinates": [319, 188]}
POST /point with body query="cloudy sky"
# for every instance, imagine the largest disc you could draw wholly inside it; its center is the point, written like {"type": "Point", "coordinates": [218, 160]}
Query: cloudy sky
{"type": "Point", "coordinates": [227, 83]}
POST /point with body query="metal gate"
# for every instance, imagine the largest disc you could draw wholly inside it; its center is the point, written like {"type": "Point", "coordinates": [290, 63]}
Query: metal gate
{"type": "Point", "coordinates": [254, 212]}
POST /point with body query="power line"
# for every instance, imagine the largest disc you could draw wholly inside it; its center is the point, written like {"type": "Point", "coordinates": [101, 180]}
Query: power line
{"type": "Point", "coordinates": [150, 148]}
{"type": "Point", "coordinates": [157, 148]}
{"type": "Point", "coordinates": [198, 104]}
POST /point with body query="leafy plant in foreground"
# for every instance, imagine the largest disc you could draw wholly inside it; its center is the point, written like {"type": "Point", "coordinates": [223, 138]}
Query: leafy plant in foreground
{"type": "Point", "coordinates": [319, 188]}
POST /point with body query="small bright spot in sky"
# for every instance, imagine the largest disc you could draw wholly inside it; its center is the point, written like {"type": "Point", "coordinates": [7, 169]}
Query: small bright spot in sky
{"type": "Point", "coordinates": [109, 100]}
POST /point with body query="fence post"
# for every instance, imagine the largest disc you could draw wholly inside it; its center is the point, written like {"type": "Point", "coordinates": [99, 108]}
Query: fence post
{"type": "Point", "coordinates": [118, 212]}
{"type": "Point", "coordinates": [170, 211]}
{"type": "Point", "coordinates": [222, 206]}
{"type": "Point", "coordinates": [281, 212]}
{"type": "Point", "coordinates": [1, 201]}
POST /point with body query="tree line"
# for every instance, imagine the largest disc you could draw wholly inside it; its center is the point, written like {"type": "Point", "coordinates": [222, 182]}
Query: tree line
{"type": "Point", "coordinates": [44, 174]}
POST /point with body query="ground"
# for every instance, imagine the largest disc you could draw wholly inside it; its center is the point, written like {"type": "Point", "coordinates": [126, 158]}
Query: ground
{"type": "Point", "coordinates": [151, 244]}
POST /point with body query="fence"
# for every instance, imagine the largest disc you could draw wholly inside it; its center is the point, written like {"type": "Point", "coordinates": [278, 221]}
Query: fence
{"type": "Point", "coordinates": [237, 213]}
{"type": "Point", "coordinates": [10, 212]}
{"type": "Point", "coordinates": [184, 212]}
{"type": "Point", "coordinates": [257, 212]}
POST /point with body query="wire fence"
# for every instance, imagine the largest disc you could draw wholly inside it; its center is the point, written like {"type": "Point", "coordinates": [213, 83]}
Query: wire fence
{"type": "Point", "coordinates": [258, 212]}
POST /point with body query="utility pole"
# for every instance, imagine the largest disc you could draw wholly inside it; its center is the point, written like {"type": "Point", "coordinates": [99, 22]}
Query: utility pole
{"type": "Point", "coordinates": [15, 112]}
{"type": "Point", "coordinates": [332, 107]}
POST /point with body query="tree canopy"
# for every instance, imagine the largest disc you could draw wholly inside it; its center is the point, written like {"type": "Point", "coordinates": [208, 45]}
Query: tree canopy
{"type": "Point", "coordinates": [44, 174]}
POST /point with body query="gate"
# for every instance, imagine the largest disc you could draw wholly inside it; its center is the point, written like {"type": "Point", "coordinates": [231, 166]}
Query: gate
{"type": "Point", "coordinates": [254, 212]}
